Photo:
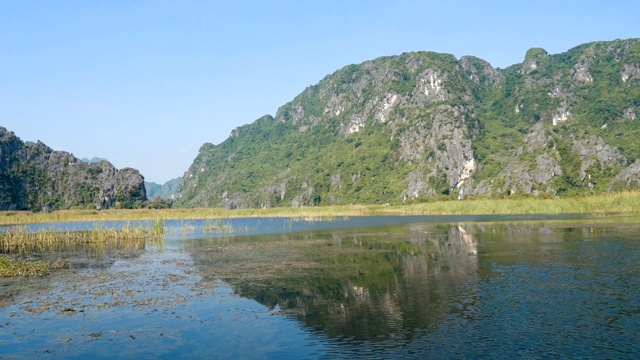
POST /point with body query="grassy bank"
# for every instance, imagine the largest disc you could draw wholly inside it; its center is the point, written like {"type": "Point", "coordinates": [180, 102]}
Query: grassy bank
{"type": "Point", "coordinates": [622, 202]}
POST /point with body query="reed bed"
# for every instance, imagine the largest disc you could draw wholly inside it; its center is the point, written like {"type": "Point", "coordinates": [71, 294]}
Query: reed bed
{"type": "Point", "coordinates": [17, 239]}
{"type": "Point", "coordinates": [619, 202]}
{"type": "Point", "coordinates": [218, 227]}
{"type": "Point", "coordinates": [26, 217]}
{"type": "Point", "coordinates": [610, 203]}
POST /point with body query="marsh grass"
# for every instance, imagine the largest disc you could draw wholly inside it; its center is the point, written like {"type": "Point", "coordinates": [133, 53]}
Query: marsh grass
{"type": "Point", "coordinates": [184, 229]}
{"type": "Point", "coordinates": [607, 203]}
{"type": "Point", "coordinates": [317, 218]}
{"type": "Point", "coordinates": [19, 240]}
{"type": "Point", "coordinates": [26, 217]}
{"type": "Point", "coordinates": [218, 226]}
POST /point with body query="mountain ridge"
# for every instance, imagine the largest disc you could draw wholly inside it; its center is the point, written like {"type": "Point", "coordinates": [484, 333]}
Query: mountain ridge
{"type": "Point", "coordinates": [421, 125]}
{"type": "Point", "coordinates": [35, 177]}
{"type": "Point", "coordinates": [166, 191]}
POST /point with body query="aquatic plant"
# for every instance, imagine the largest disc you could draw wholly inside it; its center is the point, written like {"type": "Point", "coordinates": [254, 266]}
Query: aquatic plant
{"type": "Point", "coordinates": [18, 239]}
{"type": "Point", "coordinates": [218, 226]}
{"type": "Point", "coordinates": [184, 228]}
{"type": "Point", "coordinates": [10, 267]}
{"type": "Point", "coordinates": [159, 229]}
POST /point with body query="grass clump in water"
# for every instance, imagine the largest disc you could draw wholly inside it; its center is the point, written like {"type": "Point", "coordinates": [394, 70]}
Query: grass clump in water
{"type": "Point", "coordinates": [219, 227]}
{"type": "Point", "coordinates": [10, 267]}
{"type": "Point", "coordinates": [19, 239]}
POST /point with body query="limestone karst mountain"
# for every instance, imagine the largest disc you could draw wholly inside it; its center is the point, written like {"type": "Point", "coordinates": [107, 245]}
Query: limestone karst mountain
{"type": "Point", "coordinates": [166, 191]}
{"type": "Point", "coordinates": [35, 177]}
{"type": "Point", "coordinates": [425, 124]}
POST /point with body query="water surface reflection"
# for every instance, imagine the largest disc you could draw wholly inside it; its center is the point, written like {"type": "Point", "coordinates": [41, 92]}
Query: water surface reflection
{"type": "Point", "coordinates": [415, 283]}
{"type": "Point", "coordinates": [412, 287]}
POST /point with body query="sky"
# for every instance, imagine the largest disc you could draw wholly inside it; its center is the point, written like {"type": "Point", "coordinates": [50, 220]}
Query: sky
{"type": "Point", "coordinates": [144, 84]}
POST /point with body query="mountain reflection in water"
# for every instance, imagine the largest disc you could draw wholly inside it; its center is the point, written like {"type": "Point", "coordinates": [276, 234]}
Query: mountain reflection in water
{"type": "Point", "coordinates": [368, 285]}
{"type": "Point", "coordinates": [397, 284]}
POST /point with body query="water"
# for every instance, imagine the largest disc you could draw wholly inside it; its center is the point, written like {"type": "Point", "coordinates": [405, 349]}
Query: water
{"type": "Point", "coordinates": [363, 287]}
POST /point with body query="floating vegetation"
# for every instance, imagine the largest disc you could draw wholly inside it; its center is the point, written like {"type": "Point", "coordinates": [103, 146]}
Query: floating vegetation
{"type": "Point", "coordinates": [18, 239]}
{"type": "Point", "coordinates": [10, 267]}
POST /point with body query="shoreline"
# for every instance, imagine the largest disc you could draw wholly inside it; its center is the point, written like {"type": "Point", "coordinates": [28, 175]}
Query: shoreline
{"type": "Point", "coordinates": [627, 202]}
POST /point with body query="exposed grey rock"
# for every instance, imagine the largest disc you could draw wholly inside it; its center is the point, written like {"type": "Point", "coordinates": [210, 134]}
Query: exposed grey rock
{"type": "Point", "coordinates": [581, 70]}
{"type": "Point", "coordinates": [430, 87]}
{"type": "Point", "coordinates": [355, 177]}
{"type": "Point", "coordinates": [547, 168]}
{"type": "Point", "coordinates": [416, 186]}
{"type": "Point", "coordinates": [335, 181]}
{"type": "Point", "coordinates": [522, 174]}
{"type": "Point", "coordinates": [273, 195]}
{"type": "Point", "coordinates": [304, 199]}
{"type": "Point", "coordinates": [234, 201]}
{"type": "Point", "coordinates": [480, 71]}
{"type": "Point", "coordinates": [35, 177]}
{"type": "Point", "coordinates": [630, 113]}
{"type": "Point", "coordinates": [561, 114]}
{"type": "Point", "coordinates": [594, 151]}
{"type": "Point", "coordinates": [629, 178]}
{"type": "Point", "coordinates": [537, 140]}
{"type": "Point", "coordinates": [630, 72]}
{"type": "Point", "coordinates": [581, 73]}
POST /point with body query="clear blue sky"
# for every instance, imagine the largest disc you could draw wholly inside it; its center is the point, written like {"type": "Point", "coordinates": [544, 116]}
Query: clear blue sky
{"type": "Point", "coordinates": [146, 83]}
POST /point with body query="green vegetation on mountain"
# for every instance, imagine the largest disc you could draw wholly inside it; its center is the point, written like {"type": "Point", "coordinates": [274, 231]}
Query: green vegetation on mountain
{"type": "Point", "coordinates": [35, 177]}
{"type": "Point", "coordinates": [424, 125]}
{"type": "Point", "coordinates": [165, 191]}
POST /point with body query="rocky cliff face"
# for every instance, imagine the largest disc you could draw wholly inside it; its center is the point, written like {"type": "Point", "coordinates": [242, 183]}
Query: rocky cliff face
{"type": "Point", "coordinates": [424, 124]}
{"type": "Point", "coordinates": [34, 177]}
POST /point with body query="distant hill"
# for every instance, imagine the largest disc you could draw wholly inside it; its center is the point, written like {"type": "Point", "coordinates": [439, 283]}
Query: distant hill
{"type": "Point", "coordinates": [166, 191]}
{"type": "Point", "coordinates": [35, 177]}
{"type": "Point", "coordinates": [93, 160]}
{"type": "Point", "coordinates": [423, 125]}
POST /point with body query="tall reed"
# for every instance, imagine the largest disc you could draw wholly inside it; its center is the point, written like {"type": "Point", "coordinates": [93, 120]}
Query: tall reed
{"type": "Point", "coordinates": [619, 202]}
{"type": "Point", "coordinates": [18, 239]}
{"type": "Point", "coordinates": [218, 226]}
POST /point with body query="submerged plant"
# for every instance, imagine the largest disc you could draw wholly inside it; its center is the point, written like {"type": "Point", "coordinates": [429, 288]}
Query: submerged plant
{"type": "Point", "coordinates": [10, 267]}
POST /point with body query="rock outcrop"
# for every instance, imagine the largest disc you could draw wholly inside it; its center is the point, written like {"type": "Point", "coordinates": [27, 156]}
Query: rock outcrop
{"type": "Point", "coordinates": [35, 177]}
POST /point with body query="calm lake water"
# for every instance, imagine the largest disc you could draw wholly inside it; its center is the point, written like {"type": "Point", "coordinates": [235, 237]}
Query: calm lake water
{"type": "Point", "coordinates": [361, 287]}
